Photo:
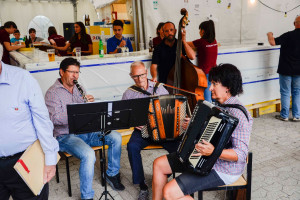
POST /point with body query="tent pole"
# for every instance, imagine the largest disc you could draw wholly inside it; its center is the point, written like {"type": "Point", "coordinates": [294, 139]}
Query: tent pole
{"type": "Point", "coordinates": [74, 2]}
{"type": "Point", "coordinates": [135, 24]}
{"type": "Point", "coordinates": [140, 22]}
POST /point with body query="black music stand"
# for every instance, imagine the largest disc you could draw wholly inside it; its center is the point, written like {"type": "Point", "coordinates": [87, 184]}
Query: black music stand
{"type": "Point", "coordinates": [105, 116]}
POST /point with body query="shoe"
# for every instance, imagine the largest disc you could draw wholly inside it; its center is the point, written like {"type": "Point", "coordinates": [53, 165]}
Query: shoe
{"type": "Point", "coordinates": [296, 119]}
{"type": "Point", "coordinates": [281, 118]}
{"type": "Point", "coordinates": [143, 195]}
{"type": "Point", "coordinates": [115, 182]}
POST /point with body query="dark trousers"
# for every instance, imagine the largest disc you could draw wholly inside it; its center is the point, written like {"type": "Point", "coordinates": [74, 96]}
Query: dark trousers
{"type": "Point", "coordinates": [11, 184]}
{"type": "Point", "coordinates": [134, 147]}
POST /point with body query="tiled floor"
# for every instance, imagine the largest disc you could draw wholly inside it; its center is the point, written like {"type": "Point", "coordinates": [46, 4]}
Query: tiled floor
{"type": "Point", "coordinates": [276, 166]}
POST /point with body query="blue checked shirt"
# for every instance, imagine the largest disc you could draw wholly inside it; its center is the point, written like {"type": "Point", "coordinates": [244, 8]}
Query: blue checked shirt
{"type": "Point", "coordinates": [240, 139]}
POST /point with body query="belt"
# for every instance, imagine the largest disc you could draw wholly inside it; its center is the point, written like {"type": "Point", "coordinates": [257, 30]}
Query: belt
{"type": "Point", "coordinates": [12, 156]}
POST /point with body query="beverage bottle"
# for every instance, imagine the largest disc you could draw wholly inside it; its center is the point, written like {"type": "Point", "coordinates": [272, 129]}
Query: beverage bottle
{"type": "Point", "coordinates": [101, 50]}
{"type": "Point", "coordinates": [150, 44]}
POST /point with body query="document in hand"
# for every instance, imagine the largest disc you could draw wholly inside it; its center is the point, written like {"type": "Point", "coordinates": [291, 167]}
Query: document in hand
{"type": "Point", "coordinates": [30, 167]}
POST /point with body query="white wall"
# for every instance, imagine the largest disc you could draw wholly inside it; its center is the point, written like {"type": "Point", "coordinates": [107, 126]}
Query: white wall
{"type": "Point", "coordinates": [23, 12]}
{"type": "Point", "coordinates": [243, 22]}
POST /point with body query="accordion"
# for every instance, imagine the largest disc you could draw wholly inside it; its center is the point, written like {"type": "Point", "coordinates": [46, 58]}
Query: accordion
{"type": "Point", "coordinates": [165, 118]}
{"type": "Point", "coordinates": [214, 125]}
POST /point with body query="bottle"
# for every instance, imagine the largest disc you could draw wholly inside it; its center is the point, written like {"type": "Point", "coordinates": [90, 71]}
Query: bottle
{"type": "Point", "coordinates": [101, 51]}
{"type": "Point", "coordinates": [27, 42]}
{"type": "Point", "coordinates": [150, 44]}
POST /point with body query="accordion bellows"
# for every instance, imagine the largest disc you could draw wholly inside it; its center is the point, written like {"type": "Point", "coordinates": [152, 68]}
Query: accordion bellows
{"type": "Point", "coordinates": [165, 118]}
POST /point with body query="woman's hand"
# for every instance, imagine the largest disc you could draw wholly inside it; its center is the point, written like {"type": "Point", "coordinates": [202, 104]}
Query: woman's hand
{"type": "Point", "coordinates": [204, 148]}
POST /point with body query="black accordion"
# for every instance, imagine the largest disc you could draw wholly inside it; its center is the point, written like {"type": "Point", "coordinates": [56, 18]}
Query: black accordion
{"type": "Point", "coordinates": [211, 123]}
{"type": "Point", "coordinates": [165, 118]}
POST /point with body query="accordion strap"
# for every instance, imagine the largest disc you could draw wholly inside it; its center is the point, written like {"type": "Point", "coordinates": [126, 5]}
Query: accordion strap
{"type": "Point", "coordinates": [138, 89]}
{"type": "Point", "coordinates": [237, 106]}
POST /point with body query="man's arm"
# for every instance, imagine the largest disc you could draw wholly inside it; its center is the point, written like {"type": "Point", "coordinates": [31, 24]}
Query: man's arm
{"type": "Point", "coordinates": [153, 72]}
{"type": "Point", "coordinates": [271, 39]}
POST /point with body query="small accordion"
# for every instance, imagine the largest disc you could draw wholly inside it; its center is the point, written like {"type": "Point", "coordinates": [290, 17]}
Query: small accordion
{"type": "Point", "coordinates": [165, 118]}
{"type": "Point", "coordinates": [212, 124]}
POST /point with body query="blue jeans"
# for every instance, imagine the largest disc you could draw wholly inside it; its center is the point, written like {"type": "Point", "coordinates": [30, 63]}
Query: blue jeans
{"type": "Point", "coordinates": [207, 92]}
{"type": "Point", "coordinates": [80, 147]}
{"type": "Point", "coordinates": [288, 85]}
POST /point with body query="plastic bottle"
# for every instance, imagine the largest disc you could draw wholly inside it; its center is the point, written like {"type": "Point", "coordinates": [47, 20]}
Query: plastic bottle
{"type": "Point", "coordinates": [150, 44]}
{"type": "Point", "coordinates": [101, 51]}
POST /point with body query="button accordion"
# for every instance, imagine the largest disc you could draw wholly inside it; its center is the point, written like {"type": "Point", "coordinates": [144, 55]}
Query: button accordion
{"type": "Point", "coordinates": [165, 118]}
{"type": "Point", "coordinates": [211, 123]}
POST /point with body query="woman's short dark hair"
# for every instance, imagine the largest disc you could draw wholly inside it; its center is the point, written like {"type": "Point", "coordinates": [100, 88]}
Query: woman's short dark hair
{"type": "Point", "coordinates": [31, 30]}
{"type": "Point", "coordinates": [67, 62]}
{"type": "Point", "coordinates": [209, 30]}
{"type": "Point", "coordinates": [159, 26]}
{"type": "Point", "coordinates": [229, 76]}
{"type": "Point", "coordinates": [52, 30]}
{"type": "Point", "coordinates": [118, 23]}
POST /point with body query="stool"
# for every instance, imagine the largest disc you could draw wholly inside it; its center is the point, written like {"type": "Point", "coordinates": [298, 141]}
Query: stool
{"type": "Point", "coordinates": [66, 157]}
{"type": "Point", "coordinates": [241, 183]}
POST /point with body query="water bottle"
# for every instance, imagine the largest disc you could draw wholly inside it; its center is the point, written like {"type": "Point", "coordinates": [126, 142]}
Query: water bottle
{"type": "Point", "coordinates": [101, 51]}
{"type": "Point", "coordinates": [150, 44]}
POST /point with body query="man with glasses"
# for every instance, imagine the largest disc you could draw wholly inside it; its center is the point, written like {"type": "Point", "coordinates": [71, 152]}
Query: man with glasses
{"type": "Point", "coordinates": [64, 92]}
{"type": "Point", "coordinates": [142, 88]}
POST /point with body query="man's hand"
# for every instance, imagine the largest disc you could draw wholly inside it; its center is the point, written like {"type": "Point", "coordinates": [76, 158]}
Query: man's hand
{"type": "Point", "coordinates": [122, 44]}
{"type": "Point", "coordinates": [183, 34]}
{"type": "Point", "coordinates": [186, 122]}
{"type": "Point", "coordinates": [139, 127]}
{"type": "Point", "coordinates": [204, 148]}
{"type": "Point", "coordinates": [154, 79]}
{"type": "Point", "coordinates": [90, 98]}
{"type": "Point", "coordinates": [49, 172]}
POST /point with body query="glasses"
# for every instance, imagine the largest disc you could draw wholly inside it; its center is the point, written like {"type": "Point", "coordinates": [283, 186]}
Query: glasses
{"type": "Point", "coordinates": [135, 77]}
{"type": "Point", "coordinates": [73, 72]}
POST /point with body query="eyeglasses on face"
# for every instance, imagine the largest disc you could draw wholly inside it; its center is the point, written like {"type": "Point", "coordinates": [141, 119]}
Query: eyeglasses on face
{"type": "Point", "coordinates": [135, 77]}
{"type": "Point", "coordinates": [73, 72]}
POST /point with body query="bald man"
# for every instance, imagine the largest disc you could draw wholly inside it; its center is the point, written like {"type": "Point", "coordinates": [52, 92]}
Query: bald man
{"type": "Point", "coordinates": [289, 71]}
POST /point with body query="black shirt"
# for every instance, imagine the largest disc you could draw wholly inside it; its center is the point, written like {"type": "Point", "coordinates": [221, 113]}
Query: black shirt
{"type": "Point", "coordinates": [289, 60]}
{"type": "Point", "coordinates": [164, 56]}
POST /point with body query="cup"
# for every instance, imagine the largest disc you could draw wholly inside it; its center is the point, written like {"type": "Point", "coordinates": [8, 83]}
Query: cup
{"type": "Point", "coordinates": [142, 46]}
{"type": "Point", "coordinates": [78, 53]}
{"type": "Point", "coordinates": [51, 54]}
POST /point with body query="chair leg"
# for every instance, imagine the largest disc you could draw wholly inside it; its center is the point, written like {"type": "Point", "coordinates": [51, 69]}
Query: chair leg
{"type": "Point", "coordinates": [200, 195]}
{"type": "Point", "coordinates": [68, 177]}
{"type": "Point", "coordinates": [102, 167]}
{"type": "Point", "coordinates": [56, 174]}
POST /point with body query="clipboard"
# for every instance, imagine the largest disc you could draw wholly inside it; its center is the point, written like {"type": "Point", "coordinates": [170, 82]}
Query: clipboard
{"type": "Point", "coordinates": [30, 167]}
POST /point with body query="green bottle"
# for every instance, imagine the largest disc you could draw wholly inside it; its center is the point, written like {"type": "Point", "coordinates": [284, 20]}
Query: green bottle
{"type": "Point", "coordinates": [101, 51]}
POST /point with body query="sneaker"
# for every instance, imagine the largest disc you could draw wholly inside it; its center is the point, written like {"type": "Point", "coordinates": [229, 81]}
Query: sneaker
{"type": "Point", "coordinates": [143, 195]}
{"type": "Point", "coordinates": [115, 182]}
{"type": "Point", "coordinates": [296, 119]}
{"type": "Point", "coordinates": [281, 118]}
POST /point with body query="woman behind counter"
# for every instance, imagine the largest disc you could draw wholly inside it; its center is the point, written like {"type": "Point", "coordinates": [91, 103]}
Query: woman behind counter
{"type": "Point", "coordinates": [56, 40]}
{"type": "Point", "coordinates": [207, 50]}
{"type": "Point", "coordinates": [79, 39]}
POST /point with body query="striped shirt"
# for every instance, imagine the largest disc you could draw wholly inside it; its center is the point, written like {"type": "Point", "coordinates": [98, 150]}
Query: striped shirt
{"type": "Point", "coordinates": [57, 97]}
{"type": "Point", "coordinates": [240, 142]}
{"type": "Point", "coordinates": [132, 94]}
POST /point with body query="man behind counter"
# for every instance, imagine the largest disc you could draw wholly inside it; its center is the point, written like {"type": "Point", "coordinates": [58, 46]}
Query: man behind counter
{"type": "Point", "coordinates": [117, 41]}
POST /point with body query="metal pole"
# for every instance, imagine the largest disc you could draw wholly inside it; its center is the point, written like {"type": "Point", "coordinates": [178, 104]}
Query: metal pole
{"type": "Point", "coordinates": [140, 22]}
{"type": "Point", "coordinates": [135, 24]}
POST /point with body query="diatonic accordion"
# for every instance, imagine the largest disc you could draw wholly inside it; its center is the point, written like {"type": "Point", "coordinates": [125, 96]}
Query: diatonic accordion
{"type": "Point", "coordinates": [211, 123]}
{"type": "Point", "coordinates": [165, 118]}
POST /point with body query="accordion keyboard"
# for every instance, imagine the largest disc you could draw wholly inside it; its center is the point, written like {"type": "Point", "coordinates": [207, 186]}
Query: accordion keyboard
{"type": "Point", "coordinates": [207, 135]}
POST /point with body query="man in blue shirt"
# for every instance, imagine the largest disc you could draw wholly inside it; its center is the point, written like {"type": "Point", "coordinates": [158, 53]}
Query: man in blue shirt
{"type": "Point", "coordinates": [24, 118]}
{"type": "Point", "coordinates": [115, 43]}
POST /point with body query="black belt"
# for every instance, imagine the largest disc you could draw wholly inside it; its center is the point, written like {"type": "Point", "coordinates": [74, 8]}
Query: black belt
{"type": "Point", "coordinates": [12, 156]}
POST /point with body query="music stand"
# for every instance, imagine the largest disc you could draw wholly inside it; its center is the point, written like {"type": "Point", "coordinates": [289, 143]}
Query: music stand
{"type": "Point", "coordinates": [104, 116]}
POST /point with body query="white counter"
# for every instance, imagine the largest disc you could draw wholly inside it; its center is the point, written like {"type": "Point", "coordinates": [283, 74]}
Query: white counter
{"type": "Point", "coordinates": [107, 78]}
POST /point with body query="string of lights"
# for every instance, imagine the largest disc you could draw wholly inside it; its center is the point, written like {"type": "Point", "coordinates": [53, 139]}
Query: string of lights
{"type": "Point", "coordinates": [285, 12]}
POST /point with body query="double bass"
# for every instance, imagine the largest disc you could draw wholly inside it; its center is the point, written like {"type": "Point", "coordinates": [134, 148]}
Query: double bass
{"type": "Point", "coordinates": [185, 74]}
